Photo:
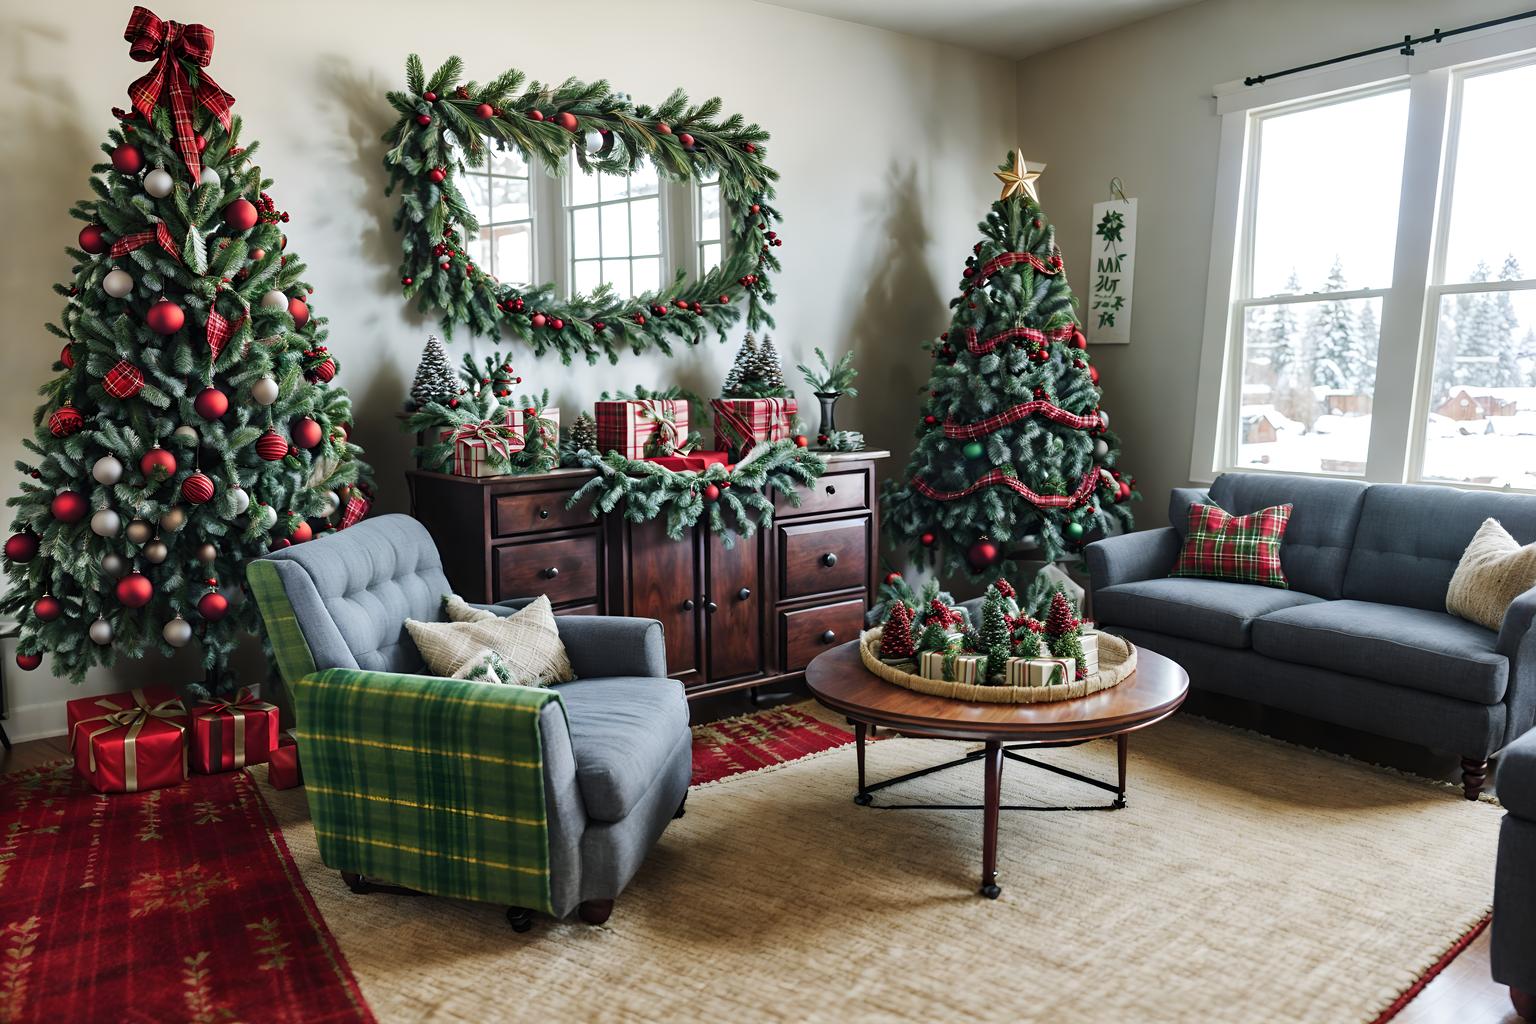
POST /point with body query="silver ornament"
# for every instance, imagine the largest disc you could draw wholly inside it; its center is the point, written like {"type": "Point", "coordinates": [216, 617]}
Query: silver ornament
{"type": "Point", "coordinates": [332, 502]}
{"type": "Point", "coordinates": [1103, 418]}
{"type": "Point", "coordinates": [242, 499]}
{"type": "Point", "coordinates": [158, 183]}
{"type": "Point", "coordinates": [139, 531]}
{"type": "Point", "coordinates": [593, 139]}
{"type": "Point", "coordinates": [172, 519]}
{"type": "Point", "coordinates": [118, 283]}
{"type": "Point", "coordinates": [114, 565]}
{"type": "Point", "coordinates": [156, 552]}
{"type": "Point", "coordinates": [207, 553]}
{"type": "Point", "coordinates": [185, 432]}
{"type": "Point", "coordinates": [274, 299]}
{"type": "Point", "coordinates": [208, 177]}
{"type": "Point", "coordinates": [101, 632]}
{"type": "Point", "coordinates": [177, 632]}
{"type": "Point", "coordinates": [107, 470]}
{"type": "Point", "coordinates": [1100, 448]}
{"type": "Point", "coordinates": [265, 391]}
{"type": "Point", "coordinates": [106, 523]}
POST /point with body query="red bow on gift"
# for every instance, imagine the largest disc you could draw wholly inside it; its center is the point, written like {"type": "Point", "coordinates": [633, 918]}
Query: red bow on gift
{"type": "Point", "coordinates": [173, 46]}
{"type": "Point", "coordinates": [498, 438]}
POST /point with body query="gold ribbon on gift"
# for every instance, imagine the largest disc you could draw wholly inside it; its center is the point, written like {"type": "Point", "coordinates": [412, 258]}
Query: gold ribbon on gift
{"type": "Point", "coordinates": [244, 701]}
{"type": "Point", "coordinates": [132, 718]}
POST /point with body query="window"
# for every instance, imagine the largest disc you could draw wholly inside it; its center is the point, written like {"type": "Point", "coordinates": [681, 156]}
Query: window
{"type": "Point", "coordinates": [1372, 300]}
{"type": "Point", "coordinates": [614, 230]}
{"type": "Point", "coordinates": [708, 225]}
{"type": "Point", "coordinates": [501, 195]}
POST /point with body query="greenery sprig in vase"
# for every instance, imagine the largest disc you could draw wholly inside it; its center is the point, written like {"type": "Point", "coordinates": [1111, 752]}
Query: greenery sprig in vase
{"type": "Point", "coordinates": [831, 382]}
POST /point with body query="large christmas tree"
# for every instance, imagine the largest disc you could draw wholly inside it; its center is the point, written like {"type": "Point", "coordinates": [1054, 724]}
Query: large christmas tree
{"type": "Point", "coordinates": [1012, 450]}
{"type": "Point", "coordinates": [190, 423]}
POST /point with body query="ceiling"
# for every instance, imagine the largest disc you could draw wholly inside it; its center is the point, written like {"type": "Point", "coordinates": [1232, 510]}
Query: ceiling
{"type": "Point", "coordinates": [1008, 28]}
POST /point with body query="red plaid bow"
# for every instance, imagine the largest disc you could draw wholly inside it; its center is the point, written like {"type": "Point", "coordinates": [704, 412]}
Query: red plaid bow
{"type": "Point", "coordinates": [497, 437]}
{"type": "Point", "coordinates": [172, 46]}
{"type": "Point", "coordinates": [162, 234]}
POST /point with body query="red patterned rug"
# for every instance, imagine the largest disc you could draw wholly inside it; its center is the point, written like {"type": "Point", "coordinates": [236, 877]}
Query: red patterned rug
{"type": "Point", "coordinates": [759, 740]}
{"type": "Point", "coordinates": [178, 904]}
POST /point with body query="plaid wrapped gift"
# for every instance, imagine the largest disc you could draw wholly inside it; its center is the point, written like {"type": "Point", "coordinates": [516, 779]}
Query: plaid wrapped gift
{"type": "Point", "coordinates": [693, 462]}
{"type": "Point", "coordinates": [964, 668]}
{"type": "Point", "coordinates": [1246, 549]}
{"type": "Point", "coordinates": [1041, 671]}
{"type": "Point", "coordinates": [474, 445]}
{"type": "Point", "coordinates": [517, 419]}
{"type": "Point", "coordinates": [228, 735]}
{"type": "Point", "coordinates": [642, 428]}
{"type": "Point", "coordinates": [743, 423]}
{"type": "Point", "coordinates": [128, 742]}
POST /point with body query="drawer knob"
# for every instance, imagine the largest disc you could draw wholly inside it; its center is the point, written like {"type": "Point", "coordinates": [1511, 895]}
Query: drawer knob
{"type": "Point", "coordinates": [551, 572]}
{"type": "Point", "coordinates": [829, 559]}
{"type": "Point", "coordinates": [688, 605]}
{"type": "Point", "coordinates": [743, 593]}
{"type": "Point", "coordinates": [828, 637]}
{"type": "Point", "coordinates": [711, 607]}
{"type": "Point", "coordinates": [543, 513]}
{"type": "Point", "coordinates": [831, 489]}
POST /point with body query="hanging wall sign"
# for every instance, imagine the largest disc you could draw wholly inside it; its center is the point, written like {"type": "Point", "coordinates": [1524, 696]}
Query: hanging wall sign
{"type": "Point", "coordinates": [1113, 263]}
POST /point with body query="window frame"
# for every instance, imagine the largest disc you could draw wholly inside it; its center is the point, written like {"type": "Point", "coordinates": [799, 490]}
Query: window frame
{"type": "Point", "coordinates": [1409, 304]}
{"type": "Point", "coordinates": [487, 175]}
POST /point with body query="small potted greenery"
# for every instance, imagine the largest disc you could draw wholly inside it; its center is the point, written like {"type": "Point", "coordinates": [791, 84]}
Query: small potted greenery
{"type": "Point", "coordinates": [832, 382]}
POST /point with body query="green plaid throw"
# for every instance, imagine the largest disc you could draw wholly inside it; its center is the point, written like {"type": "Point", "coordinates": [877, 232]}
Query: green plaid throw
{"type": "Point", "coordinates": [1245, 549]}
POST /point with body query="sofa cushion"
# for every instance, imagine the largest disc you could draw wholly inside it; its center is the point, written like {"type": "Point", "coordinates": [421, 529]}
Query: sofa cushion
{"type": "Point", "coordinates": [1412, 536]}
{"type": "Point", "coordinates": [622, 730]}
{"type": "Point", "coordinates": [1322, 525]}
{"type": "Point", "coordinates": [1516, 780]}
{"type": "Point", "coordinates": [1413, 647]}
{"type": "Point", "coordinates": [1214, 611]}
{"type": "Point", "coordinates": [1243, 549]}
{"type": "Point", "coordinates": [1493, 571]}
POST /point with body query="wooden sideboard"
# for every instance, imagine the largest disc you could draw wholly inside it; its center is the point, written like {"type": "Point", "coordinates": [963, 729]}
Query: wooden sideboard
{"type": "Point", "coordinates": [734, 617]}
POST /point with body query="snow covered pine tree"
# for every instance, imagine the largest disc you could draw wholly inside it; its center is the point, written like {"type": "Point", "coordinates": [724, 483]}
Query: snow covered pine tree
{"type": "Point", "coordinates": [191, 425]}
{"type": "Point", "coordinates": [1011, 444]}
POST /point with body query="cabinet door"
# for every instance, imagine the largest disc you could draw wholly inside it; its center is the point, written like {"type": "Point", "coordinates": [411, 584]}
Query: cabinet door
{"type": "Point", "coordinates": [733, 608]}
{"type": "Point", "coordinates": [664, 584]}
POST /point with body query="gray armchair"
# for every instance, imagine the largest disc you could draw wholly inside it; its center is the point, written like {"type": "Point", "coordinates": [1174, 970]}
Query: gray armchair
{"type": "Point", "coordinates": [543, 799]}
{"type": "Point", "coordinates": [1514, 891]}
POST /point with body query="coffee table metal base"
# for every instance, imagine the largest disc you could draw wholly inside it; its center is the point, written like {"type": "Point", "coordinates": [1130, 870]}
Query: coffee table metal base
{"type": "Point", "coordinates": [992, 755]}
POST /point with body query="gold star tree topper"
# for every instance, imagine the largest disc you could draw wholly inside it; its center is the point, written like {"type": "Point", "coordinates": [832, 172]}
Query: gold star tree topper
{"type": "Point", "coordinates": [1019, 179]}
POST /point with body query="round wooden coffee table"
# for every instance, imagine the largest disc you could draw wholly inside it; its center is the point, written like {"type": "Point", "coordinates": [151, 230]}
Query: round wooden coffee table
{"type": "Point", "coordinates": [839, 680]}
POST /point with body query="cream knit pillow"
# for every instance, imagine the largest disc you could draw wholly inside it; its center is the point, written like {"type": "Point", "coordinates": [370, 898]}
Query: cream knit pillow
{"type": "Point", "coordinates": [527, 642]}
{"type": "Point", "coordinates": [1494, 570]}
{"type": "Point", "coordinates": [459, 610]}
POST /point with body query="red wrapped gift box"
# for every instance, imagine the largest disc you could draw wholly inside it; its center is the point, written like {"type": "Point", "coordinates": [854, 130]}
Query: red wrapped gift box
{"type": "Point", "coordinates": [743, 423]}
{"type": "Point", "coordinates": [652, 427]}
{"type": "Point", "coordinates": [283, 770]}
{"type": "Point", "coordinates": [227, 735]}
{"type": "Point", "coordinates": [128, 742]}
{"type": "Point", "coordinates": [695, 462]}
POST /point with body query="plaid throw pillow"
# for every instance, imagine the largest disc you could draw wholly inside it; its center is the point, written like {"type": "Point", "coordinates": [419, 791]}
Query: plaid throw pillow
{"type": "Point", "coordinates": [1245, 549]}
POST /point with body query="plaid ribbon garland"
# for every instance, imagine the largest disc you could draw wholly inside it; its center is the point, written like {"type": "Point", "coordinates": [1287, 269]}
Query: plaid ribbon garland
{"type": "Point", "coordinates": [1054, 413]}
{"type": "Point", "coordinates": [994, 477]}
{"type": "Point", "coordinates": [173, 46]}
{"type": "Point", "coordinates": [160, 233]}
{"type": "Point", "coordinates": [1009, 259]}
{"type": "Point", "coordinates": [353, 513]}
{"type": "Point", "coordinates": [124, 380]}
{"type": "Point", "coordinates": [220, 329]}
{"type": "Point", "coordinates": [981, 348]}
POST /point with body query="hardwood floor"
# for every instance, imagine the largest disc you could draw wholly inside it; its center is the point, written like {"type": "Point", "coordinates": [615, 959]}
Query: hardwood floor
{"type": "Point", "coordinates": [1463, 993]}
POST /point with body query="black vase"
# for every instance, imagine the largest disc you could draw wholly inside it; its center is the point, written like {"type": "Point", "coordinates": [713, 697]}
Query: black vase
{"type": "Point", "coordinates": [828, 400]}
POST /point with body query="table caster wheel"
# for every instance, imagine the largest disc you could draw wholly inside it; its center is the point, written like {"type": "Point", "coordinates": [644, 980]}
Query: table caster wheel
{"type": "Point", "coordinates": [863, 799]}
{"type": "Point", "coordinates": [991, 890]}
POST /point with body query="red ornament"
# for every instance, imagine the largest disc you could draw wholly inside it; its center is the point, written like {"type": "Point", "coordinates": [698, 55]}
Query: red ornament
{"type": "Point", "coordinates": [28, 662]}
{"type": "Point", "coordinates": [749, 147]}
{"type": "Point", "coordinates": [165, 317]}
{"type": "Point", "coordinates": [47, 608]}
{"type": "Point", "coordinates": [213, 606]}
{"type": "Point", "coordinates": [91, 239]}
{"type": "Point", "coordinates": [299, 310]}
{"type": "Point", "coordinates": [157, 464]}
{"type": "Point", "coordinates": [927, 540]}
{"type": "Point", "coordinates": [65, 420]}
{"type": "Point", "coordinates": [423, 120]}
{"type": "Point", "coordinates": [271, 446]}
{"type": "Point", "coordinates": [124, 380]}
{"type": "Point", "coordinates": [484, 111]}
{"type": "Point", "coordinates": [930, 419]}
{"type": "Point", "coordinates": [1078, 341]}
{"type": "Point", "coordinates": [307, 433]}
{"type": "Point", "coordinates": [197, 488]}
{"type": "Point", "coordinates": [211, 403]}
{"type": "Point", "coordinates": [711, 493]}
{"type": "Point", "coordinates": [21, 548]}
{"type": "Point", "coordinates": [892, 577]}
{"type": "Point", "coordinates": [240, 215]}
{"type": "Point", "coordinates": [430, 97]}
{"type": "Point", "coordinates": [538, 320]}
{"type": "Point", "coordinates": [302, 533]}
{"type": "Point", "coordinates": [567, 120]}
{"type": "Point", "coordinates": [1125, 491]}
{"type": "Point", "coordinates": [67, 357]}
{"type": "Point", "coordinates": [323, 371]}
{"type": "Point", "coordinates": [1093, 374]}
{"type": "Point", "coordinates": [280, 543]}
{"type": "Point", "coordinates": [982, 554]}
{"type": "Point", "coordinates": [801, 441]}
{"type": "Point", "coordinates": [685, 139]}
{"type": "Point", "coordinates": [663, 128]}
{"type": "Point", "coordinates": [437, 174]}
{"type": "Point", "coordinates": [134, 590]}
{"type": "Point", "coordinates": [127, 159]}
{"type": "Point", "coordinates": [535, 115]}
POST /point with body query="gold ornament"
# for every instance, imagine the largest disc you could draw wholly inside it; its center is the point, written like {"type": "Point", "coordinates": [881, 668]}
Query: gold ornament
{"type": "Point", "coordinates": [1020, 179]}
{"type": "Point", "coordinates": [172, 519]}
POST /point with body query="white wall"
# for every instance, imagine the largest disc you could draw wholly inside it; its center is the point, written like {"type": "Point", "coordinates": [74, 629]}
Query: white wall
{"type": "Point", "coordinates": [1136, 102]}
{"type": "Point", "coordinates": [885, 145]}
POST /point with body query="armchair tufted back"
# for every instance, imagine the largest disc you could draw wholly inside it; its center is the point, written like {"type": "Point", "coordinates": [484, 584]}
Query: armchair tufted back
{"type": "Point", "coordinates": [352, 591]}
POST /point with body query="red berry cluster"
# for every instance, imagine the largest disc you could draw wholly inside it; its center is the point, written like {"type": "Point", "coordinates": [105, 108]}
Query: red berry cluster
{"type": "Point", "coordinates": [269, 212]}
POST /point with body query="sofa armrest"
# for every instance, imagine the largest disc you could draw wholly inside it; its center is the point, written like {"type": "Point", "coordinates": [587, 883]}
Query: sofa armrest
{"type": "Point", "coordinates": [436, 784]}
{"type": "Point", "coordinates": [1145, 555]}
{"type": "Point", "coordinates": [613, 645]}
{"type": "Point", "coordinates": [1516, 781]}
{"type": "Point", "coordinates": [1517, 642]}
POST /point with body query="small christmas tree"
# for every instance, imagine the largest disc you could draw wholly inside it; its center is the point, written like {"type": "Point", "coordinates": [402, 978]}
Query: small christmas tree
{"type": "Point", "coordinates": [435, 380]}
{"type": "Point", "coordinates": [1026, 643]}
{"type": "Point", "coordinates": [1063, 630]}
{"type": "Point", "coordinates": [583, 433]}
{"type": "Point", "coordinates": [756, 372]}
{"type": "Point", "coordinates": [896, 638]}
{"type": "Point", "coordinates": [995, 637]}
{"type": "Point", "coordinates": [933, 638]}
{"type": "Point", "coordinates": [746, 358]}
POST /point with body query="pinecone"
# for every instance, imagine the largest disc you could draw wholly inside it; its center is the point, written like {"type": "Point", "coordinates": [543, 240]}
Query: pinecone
{"type": "Point", "coordinates": [1062, 618]}
{"type": "Point", "coordinates": [583, 433]}
{"type": "Point", "coordinates": [435, 380]}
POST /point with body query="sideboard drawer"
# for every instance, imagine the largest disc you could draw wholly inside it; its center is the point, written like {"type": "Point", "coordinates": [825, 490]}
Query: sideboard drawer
{"type": "Point", "coordinates": [537, 510]}
{"type": "Point", "coordinates": [810, 631]}
{"type": "Point", "coordinates": [564, 569]}
{"type": "Point", "coordinates": [834, 492]}
{"type": "Point", "coordinates": [821, 557]}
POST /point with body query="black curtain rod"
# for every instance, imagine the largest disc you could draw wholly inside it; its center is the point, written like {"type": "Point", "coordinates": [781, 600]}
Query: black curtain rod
{"type": "Point", "coordinates": [1405, 47]}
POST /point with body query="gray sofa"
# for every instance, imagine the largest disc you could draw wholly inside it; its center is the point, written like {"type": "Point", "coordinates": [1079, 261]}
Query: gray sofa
{"type": "Point", "coordinates": [616, 750]}
{"type": "Point", "coordinates": [1514, 892]}
{"type": "Point", "coordinates": [1362, 638]}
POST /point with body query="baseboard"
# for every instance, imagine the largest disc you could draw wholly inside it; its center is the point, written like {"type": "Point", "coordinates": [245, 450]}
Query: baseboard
{"type": "Point", "coordinates": [35, 721]}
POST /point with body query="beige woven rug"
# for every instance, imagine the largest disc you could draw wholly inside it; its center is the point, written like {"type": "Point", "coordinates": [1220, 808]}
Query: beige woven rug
{"type": "Point", "coordinates": [1248, 880]}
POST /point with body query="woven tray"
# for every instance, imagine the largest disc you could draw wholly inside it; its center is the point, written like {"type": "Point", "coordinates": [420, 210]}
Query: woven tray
{"type": "Point", "coordinates": [1117, 660]}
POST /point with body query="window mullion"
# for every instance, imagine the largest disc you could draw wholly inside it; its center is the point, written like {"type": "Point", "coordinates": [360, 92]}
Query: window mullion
{"type": "Point", "coordinates": [1404, 358]}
